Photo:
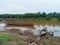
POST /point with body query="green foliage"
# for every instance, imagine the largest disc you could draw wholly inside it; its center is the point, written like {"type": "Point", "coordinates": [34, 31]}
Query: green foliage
{"type": "Point", "coordinates": [38, 15]}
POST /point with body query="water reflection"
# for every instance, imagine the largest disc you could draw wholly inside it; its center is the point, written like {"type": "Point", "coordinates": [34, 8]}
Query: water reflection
{"type": "Point", "coordinates": [55, 29]}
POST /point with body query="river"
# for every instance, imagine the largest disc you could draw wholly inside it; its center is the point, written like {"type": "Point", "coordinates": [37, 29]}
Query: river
{"type": "Point", "coordinates": [55, 29]}
{"type": "Point", "coordinates": [52, 28]}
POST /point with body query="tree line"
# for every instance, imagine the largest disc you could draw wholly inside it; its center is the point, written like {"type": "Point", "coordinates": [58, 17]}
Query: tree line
{"type": "Point", "coordinates": [43, 15]}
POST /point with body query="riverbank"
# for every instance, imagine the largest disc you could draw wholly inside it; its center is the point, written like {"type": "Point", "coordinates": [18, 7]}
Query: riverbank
{"type": "Point", "coordinates": [11, 39]}
{"type": "Point", "coordinates": [32, 21]}
{"type": "Point", "coordinates": [15, 39]}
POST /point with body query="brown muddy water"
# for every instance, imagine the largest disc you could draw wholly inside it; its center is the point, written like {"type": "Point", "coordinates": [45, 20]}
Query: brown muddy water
{"type": "Point", "coordinates": [53, 28]}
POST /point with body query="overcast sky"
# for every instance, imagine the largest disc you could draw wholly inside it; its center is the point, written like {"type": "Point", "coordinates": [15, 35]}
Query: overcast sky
{"type": "Point", "coordinates": [27, 6]}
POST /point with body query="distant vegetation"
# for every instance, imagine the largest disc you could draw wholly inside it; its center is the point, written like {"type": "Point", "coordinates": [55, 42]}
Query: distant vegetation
{"type": "Point", "coordinates": [39, 16]}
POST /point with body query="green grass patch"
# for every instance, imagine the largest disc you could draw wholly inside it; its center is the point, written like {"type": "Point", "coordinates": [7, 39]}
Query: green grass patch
{"type": "Point", "coordinates": [10, 39]}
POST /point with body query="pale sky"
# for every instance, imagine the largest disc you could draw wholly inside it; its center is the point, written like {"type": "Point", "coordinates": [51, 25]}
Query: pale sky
{"type": "Point", "coordinates": [29, 6]}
